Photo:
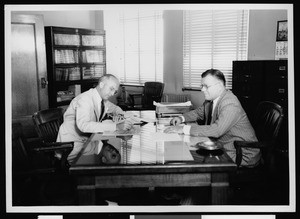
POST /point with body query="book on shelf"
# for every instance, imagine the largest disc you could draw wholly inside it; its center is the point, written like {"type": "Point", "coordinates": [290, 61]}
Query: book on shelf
{"type": "Point", "coordinates": [65, 56]}
{"type": "Point", "coordinates": [91, 40]}
{"type": "Point", "coordinates": [99, 71]}
{"type": "Point", "coordinates": [93, 72]}
{"type": "Point", "coordinates": [64, 95]}
{"type": "Point", "coordinates": [74, 73]}
{"type": "Point", "coordinates": [67, 74]}
{"type": "Point", "coordinates": [92, 56]}
{"type": "Point", "coordinates": [66, 39]}
{"type": "Point", "coordinates": [75, 88]}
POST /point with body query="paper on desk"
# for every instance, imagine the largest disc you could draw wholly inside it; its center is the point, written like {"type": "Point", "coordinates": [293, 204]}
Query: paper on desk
{"type": "Point", "coordinates": [191, 141]}
{"type": "Point", "coordinates": [177, 151]}
{"type": "Point", "coordinates": [160, 136]}
{"type": "Point", "coordinates": [135, 119]}
{"type": "Point", "coordinates": [160, 152]}
{"type": "Point", "coordinates": [188, 103]}
{"type": "Point", "coordinates": [135, 130]}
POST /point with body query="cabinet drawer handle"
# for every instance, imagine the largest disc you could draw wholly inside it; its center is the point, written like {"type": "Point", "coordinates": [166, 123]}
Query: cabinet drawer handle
{"type": "Point", "coordinates": [246, 97]}
{"type": "Point", "coordinates": [281, 68]}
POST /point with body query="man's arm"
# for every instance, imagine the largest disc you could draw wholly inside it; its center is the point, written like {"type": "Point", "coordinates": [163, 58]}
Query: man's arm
{"type": "Point", "coordinates": [114, 109]}
{"type": "Point", "coordinates": [194, 115]}
{"type": "Point", "coordinates": [86, 118]}
{"type": "Point", "coordinates": [230, 113]}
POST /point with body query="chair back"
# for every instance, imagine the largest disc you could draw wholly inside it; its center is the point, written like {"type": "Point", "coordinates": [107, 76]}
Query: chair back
{"type": "Point", "coordinates": [153, 91]}
{"type": "Point", "coordinates": [268, 119]}
{"type": "Point", "coordinates": [47, 123]}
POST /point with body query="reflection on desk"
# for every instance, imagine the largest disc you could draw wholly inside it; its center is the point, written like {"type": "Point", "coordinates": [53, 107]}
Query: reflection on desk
{"type": "Point", "coordinates": [143, 149]}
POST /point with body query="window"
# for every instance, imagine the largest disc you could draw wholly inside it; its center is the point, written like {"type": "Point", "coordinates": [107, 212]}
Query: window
{"type": "Point", "coordinates": [135, 45]}
{"type": "Point", "coordinates": [213, 39]}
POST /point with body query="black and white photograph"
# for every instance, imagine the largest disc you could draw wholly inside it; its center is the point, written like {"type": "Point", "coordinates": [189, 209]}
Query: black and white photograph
{"type": "Point", "coordinates": [159, 108]}
{"type": "Point", "coordinates": [282, 31]}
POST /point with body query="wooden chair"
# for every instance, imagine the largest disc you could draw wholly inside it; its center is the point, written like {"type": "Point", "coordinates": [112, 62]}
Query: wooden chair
{"type": "Point", "coordinates": [153, 91]}
{"type": "Point", "coordinates": [33, 174]}
{"type": "Point", "coordinates": [47, 123]}
{"type": "Point", "coordinates": [268, 119]}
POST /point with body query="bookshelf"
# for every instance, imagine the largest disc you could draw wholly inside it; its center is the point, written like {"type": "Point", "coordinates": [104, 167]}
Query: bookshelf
{"type": "Point", "coordinates": [76, 59]}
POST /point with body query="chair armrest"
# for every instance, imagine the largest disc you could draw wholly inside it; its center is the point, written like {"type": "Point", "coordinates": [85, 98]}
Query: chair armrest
{"type": "Point", "coordinates": [136, 95]}
{"type": "Point", "coordinates": [54, 146]}
{"type": "Point", "coordinates": [245, 144]}
{"type": "Point", "coordinates": [249, 144]}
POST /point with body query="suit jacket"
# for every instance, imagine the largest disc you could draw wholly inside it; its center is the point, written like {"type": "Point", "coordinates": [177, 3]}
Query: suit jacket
{"type": "Point", "coordinates": [229, 123]}
{"type": "Point", "coordinates": [82, 118]}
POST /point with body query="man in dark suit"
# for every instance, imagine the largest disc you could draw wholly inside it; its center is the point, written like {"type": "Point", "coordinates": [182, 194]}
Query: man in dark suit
{"type": "Point", "coordinates": [224, 118]}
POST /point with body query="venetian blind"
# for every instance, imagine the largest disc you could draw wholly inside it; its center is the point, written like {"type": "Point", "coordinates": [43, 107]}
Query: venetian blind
{"type": "Point", "coordinates": [213, 39]}
{"type": "Point", "coordinates": [138, 45]}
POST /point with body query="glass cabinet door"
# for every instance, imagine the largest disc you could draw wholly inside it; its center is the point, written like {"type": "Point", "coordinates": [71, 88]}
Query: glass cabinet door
{"type": "Point", "coordinates": [92, 40]}
{"type": "Point", "coordinates": [66, 39]}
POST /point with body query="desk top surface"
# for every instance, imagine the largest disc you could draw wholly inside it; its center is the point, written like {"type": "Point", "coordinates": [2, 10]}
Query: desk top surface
{"type": "Point", "coordinates": [146, 153]}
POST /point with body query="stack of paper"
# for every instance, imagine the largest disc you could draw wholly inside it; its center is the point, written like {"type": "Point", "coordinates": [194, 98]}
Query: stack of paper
{"type": "Point", "coordinates": [188, 103]}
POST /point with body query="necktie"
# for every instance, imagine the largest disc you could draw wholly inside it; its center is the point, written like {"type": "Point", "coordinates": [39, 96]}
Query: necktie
{"type": "Point", "coordinates": [210, 108]}
{"type": "Point", "coordinates": [102, 110]}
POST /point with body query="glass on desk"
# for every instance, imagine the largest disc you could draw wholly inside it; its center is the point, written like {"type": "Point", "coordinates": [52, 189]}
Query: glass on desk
{"type": "Point", "coordinates": [162, 123]}
{"type": "Point", "coordinates": [147, 147]}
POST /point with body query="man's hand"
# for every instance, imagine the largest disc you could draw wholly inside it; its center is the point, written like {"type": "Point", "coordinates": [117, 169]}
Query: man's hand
{"type": "Point", "coordinates": [118, 118]}
{"type": "Point", "coordinates": [176, 121]}
{"type": "Point", "coordinates": [174, 129]}
{"type": "Point", "coordinates": [124, 125]}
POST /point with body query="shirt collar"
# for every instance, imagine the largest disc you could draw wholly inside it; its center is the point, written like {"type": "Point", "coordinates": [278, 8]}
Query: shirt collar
{"type": "Point", "coordinates": [215, 101]}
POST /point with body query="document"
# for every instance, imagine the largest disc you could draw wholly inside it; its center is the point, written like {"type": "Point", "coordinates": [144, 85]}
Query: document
{"type": "Point", "coordinates": [135, 130]}
{"type": "Point", "coordinates": [135, 119]}
{"type": "Point", "coordinates": [188, 103]}
{"type": "Point", "coordinates": [177, 151]}
{"type": "Point", "coordinates": [160, 136]}
{"type": "Point", "coordinates": [191, 141]}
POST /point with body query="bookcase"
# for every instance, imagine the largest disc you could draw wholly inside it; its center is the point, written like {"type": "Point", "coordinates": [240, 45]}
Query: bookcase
{"type": "Point", "coordinates": [76, 58]}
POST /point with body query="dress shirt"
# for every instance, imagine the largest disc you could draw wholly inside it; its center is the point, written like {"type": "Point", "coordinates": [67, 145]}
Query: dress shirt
{"type": "Point", "coordinates": [186, 128]}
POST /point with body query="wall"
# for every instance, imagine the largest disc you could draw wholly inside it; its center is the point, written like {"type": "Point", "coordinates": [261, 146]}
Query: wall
{"type": "Point", "coordinates": [262, 33]}
{"type": "Point", "coordinates": [76, 19]}
{"type": "Point", "coordinates": [173, 56]}
{"type": "Point", "coordinates": [262, 37]}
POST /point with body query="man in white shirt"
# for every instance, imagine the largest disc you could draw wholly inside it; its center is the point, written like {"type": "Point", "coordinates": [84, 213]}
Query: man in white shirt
{"type": "Point", "coordinates": [85, 114]}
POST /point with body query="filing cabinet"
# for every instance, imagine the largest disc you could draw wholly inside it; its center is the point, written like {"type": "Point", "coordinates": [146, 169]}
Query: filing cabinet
{"type": "Point", "coordinates": [260, 80]}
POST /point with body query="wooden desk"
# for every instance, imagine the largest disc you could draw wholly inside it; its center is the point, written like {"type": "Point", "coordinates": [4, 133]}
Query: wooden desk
{"type": "Point", "coordinates": [143, 164]}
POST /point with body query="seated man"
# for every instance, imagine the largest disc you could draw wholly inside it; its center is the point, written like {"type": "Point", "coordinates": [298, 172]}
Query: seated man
{"type": "Point", "coordinates": [86, 111]}
{"type": "Point", "coordinates": [226, 122]}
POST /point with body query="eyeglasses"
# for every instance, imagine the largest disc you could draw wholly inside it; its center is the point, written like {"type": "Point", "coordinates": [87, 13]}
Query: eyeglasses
{"type": "Point", "coordinates": [206, 86]}
{"type": "Point", "coordinates": [112, 89]}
